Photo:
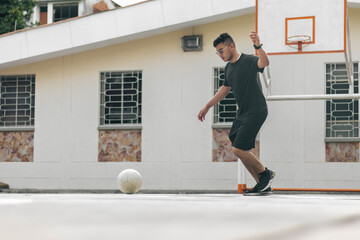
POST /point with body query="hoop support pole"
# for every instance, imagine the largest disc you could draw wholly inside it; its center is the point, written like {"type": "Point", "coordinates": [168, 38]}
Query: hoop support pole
{"type": "Point", "coordinates": [348, 59]}
{"type": "Point", "coordinates": [312, 97]}
{"type": "Point", "coordinates": [265, 75]}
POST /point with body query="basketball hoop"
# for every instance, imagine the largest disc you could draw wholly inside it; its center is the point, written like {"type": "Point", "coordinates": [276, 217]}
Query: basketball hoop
{"type": "Point", "coordinates": [298, 41]}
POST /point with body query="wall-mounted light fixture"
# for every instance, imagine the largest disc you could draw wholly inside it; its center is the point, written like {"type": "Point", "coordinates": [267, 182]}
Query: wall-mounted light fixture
{"type": "Point", "coordinates": [191, 43]}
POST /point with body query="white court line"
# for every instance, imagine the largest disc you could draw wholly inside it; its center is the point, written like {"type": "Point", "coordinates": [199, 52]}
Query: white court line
{"type": "Point", "coordinates": [14, 201]}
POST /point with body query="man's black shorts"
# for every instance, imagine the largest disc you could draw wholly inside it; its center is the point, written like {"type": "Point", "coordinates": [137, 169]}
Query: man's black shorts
{"type": "Point", "coordinates": [245, 128]}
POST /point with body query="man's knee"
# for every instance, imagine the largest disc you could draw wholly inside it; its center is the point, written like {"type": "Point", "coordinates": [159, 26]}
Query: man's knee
{"type": "Point", "coordinates": [239, 152]}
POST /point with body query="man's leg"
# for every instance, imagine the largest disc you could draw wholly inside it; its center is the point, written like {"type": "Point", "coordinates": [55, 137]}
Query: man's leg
{"type": "Point", "coordinates": [242, 135]}
{"type": "Point", "coordinates": [262, 175]}
{"type": "Point", "coordinates": [250, 161]}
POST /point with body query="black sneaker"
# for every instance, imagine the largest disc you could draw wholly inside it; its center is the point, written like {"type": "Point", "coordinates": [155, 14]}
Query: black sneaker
{"type": "Point", "coordinates": [266, 179]}
{"type": "Point", "coordinates": [255, 191]}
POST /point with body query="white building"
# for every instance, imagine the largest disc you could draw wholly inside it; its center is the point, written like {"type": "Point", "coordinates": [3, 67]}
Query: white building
{"type": "Point", "coordinates": [49, 11]}
{"type": "Point", "coordinates": [83, 99]}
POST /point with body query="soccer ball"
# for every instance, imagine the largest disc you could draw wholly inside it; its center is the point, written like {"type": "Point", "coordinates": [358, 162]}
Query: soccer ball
{"type": "Point", "coordinates": [129, 181]}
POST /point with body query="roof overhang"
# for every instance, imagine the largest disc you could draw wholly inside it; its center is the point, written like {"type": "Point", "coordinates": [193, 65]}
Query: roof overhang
{"type": "Point", "coordinates": [113, 27]}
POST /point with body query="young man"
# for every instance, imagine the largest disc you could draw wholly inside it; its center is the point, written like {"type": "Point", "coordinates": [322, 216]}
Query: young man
{"type": "Point", "coordinates": [241, 76]}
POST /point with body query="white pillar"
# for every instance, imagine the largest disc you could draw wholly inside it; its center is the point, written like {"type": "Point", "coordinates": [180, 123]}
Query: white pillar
{"type": "Point", "coordinates": [36, 15]}
{"type": "Point", "coordinates": [81, 8]}
{"type": "Point", "coordinates": [50, 12]}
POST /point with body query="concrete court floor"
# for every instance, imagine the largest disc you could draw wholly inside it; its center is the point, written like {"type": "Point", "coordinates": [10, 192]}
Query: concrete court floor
{"type": "Point", "coordinates": [178, 216]}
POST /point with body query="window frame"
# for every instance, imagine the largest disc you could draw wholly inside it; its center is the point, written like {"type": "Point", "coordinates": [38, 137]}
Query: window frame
{"type": "Point", "coordinates": [215, 88]}
{"type": "Point", "coordinates": [356, 79]}
{"type": "Point", "coordinates": [70, 3]}
{"type": "Point", "coordinates": [22, 128]}
{"type": "Point", "coordinates": [123, 126]}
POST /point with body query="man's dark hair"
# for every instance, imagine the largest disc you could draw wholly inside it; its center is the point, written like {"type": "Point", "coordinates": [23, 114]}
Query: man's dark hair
{"type": "Point", "coordinates": [223, 38]}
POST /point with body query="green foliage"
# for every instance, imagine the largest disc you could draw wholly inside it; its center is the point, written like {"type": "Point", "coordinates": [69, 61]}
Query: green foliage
{"type": "Point", "coordinates": [15, 14]}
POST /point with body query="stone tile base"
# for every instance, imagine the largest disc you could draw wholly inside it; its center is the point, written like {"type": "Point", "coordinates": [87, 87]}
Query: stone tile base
{"type": "Point", "coordinates": [16, 146]}
{"type": "Point", "coordinates": [342, 152]}
{"type": "Point", "coordinates": [119, 146]}
{"type": "Point", "coordinates": [222, 146]}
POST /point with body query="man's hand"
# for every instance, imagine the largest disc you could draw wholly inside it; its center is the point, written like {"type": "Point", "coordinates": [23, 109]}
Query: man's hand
{"type": "Point", "coordinates": [220, 95]}
{"type": "Point", "coordinates": [263, 58]}
{"type": "Point", "coordinates": [202, 113]}
{"type": "Point", "coordinates": [255, 38]}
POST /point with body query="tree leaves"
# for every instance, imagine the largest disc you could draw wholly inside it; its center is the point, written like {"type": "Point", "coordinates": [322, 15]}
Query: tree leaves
{"type": "Point", "coordinates": [16, 14]}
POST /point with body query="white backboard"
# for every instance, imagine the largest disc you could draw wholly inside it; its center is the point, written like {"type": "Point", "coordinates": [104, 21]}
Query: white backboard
{"type": "Point", "coordinates": [324, 21]}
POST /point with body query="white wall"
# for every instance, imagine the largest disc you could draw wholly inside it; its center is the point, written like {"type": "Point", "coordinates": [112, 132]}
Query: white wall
{"type": "Point", "coordinates": [176, 147]}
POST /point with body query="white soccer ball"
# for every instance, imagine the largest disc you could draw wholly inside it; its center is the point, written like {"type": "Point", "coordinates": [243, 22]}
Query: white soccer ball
{"type": "Point", "coordinates": [129, 181]}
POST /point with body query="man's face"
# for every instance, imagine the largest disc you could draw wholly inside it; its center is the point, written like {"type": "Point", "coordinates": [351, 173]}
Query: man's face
{"type": "Point", "coordinates": [224, 51]}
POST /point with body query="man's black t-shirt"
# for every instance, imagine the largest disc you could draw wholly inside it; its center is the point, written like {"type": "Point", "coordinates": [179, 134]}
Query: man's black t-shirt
{"type": "Point", "coordinates": [242, 77]}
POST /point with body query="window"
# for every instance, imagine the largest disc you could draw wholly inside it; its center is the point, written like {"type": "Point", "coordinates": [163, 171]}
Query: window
{"type": "Point", "coordinates": [65, 11]}
{"type": "Point", "coordinates": [120, 97]}
{"type": "Point", "coordinates": [225, 110]}
{"type": "Point", "coordinates": [17, 100]}
{"type": "Point", "coordinates": [342, 115]}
